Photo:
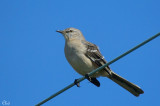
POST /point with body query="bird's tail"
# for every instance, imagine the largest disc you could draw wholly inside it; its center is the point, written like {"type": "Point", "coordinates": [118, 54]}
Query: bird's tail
{"type": "Point", "coordinates": [132, 88]}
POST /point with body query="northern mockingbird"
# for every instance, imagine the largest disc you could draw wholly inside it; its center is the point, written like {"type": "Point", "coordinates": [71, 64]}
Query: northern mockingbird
{"type": "Point", "coordinates": [84, 57]}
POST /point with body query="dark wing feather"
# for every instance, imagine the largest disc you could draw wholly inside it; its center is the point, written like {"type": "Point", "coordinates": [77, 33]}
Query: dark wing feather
{"type": "Point", "coordinates": [94, 54]}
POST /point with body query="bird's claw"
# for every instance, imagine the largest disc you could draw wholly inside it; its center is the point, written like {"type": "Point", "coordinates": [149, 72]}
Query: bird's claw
{"type": "Point", "coordinates": [76, 83]}
{"type": "Point", "coordinates": [87, 76]}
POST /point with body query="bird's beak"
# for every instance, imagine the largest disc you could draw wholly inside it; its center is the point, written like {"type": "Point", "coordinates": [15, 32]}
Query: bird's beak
{"type": "Point", "coordinates": [59, 31]}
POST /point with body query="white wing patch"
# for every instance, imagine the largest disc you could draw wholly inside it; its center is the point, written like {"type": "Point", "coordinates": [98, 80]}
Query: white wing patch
{"type": "Point", "coordinates": [100, 59]}
{"type": "Point", "coordinates": [91, 50]}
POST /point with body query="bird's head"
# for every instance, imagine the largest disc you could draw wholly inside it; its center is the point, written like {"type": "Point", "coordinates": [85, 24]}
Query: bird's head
{"type": "Point", "coordinates": [71, 34]}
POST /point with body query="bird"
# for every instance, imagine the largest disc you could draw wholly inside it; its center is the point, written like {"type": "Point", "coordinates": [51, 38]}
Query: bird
{"type": "Point", "coordinates": [85, 57]}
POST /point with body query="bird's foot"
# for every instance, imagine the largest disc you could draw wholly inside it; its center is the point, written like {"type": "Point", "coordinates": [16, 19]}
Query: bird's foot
{"type": "Point", "coordinates": [76, 83]}
{"type": "Point", "coordinates": [87, 76]}
{"type": "Point", "coordinates": [93, 80]}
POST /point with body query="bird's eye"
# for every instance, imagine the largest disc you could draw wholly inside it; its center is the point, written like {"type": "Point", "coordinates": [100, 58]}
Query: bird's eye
{"type": "Point", "coordinates": [69, 31]}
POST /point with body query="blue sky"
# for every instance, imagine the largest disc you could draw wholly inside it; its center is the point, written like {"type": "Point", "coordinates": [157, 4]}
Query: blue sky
{"type": "Point", "coordinates": [32, 61]}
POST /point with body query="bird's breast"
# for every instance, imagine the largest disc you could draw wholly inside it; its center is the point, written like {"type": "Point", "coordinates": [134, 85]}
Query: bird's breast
{"type": "Point", "coordinates": [77, 59]}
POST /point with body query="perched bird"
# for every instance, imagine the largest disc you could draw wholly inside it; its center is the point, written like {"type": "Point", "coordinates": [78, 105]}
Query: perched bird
{"type": "Point", "coordinates": [84, 57]}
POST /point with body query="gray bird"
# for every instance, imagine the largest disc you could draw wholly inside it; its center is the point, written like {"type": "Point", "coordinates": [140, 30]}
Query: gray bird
{"type": "Point", "coordinates": [84, 57]}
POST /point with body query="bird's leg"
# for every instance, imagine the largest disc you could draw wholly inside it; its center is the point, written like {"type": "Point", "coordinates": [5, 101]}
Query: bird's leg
{"type": "Point", "coordinates": [76, 83]}
{"type": "Point", "coordinates": [93, 80]}
{"type": "Point", "coordinates": [87, 76]}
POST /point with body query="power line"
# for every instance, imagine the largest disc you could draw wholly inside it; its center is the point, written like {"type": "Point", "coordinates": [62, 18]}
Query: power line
{"type": "Point", "coordinates": [100, 68]}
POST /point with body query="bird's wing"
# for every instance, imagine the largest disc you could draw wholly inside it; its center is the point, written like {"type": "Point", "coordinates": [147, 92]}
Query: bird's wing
{"type": "Point", "coordinates": [94, 54]}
